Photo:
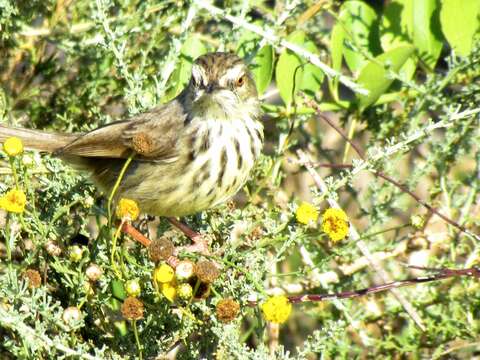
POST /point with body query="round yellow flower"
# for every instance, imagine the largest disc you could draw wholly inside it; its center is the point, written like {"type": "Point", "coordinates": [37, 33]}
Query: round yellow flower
{"type": "Point", "coordinates": [306, 213]}
{"type": "Point", "coordinates": [277, 309]}
{"type": "Point", "coordinates": [164, 273]}
{"type": "Point", "coordinates": [13, 146]}
{"type": "Point", "coordinates": [169, 290]}
{"type": "Point", "coordinates": [13, 201]}
{"type": "Point", "coordinates": [127, 209]}
{"type": "Point", "coordinates": [335, 224]}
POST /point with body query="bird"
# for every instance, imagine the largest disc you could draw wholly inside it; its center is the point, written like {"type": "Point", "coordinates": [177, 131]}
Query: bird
{"type": "Point", "coordinates": [188, 155]}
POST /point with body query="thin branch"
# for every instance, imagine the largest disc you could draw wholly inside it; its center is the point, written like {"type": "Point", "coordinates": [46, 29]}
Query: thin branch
{"type": "Point", "coordinates": [440, 275]}
{"type": "Point", "coordinates": [402, 187]}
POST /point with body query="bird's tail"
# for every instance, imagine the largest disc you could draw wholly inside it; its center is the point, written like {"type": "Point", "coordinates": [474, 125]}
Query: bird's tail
{"type": "Point", "coordinates": [37, 139]}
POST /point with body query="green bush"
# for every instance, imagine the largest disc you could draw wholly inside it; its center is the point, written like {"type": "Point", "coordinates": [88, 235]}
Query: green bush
{"type": "Point", "coordinates": [399, 79]}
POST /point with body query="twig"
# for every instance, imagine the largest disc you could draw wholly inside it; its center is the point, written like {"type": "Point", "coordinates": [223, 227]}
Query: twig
{"type": "Point", "coordinates": [402, 187]}
{"type": "Point", "coordinates": [440, 275]}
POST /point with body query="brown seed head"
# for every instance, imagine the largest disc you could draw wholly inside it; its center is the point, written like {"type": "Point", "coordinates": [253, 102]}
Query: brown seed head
{"type": "Point", "coordinates": [227, 310]}
{"type": "Point", "coordinates": [161, 249]}
{"type": "Point", "coordinates": [206, 271]}
{"type": "Point", "coordinates": [132, 308]}
{"type": "Point", "coordinates": [33, 277]}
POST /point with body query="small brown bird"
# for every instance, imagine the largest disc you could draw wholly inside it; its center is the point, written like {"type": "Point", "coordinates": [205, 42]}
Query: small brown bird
{"type": "Point", "coordinates": [191, 153]}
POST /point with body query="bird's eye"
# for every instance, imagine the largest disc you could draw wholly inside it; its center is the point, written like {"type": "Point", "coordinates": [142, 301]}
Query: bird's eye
{"type": "Point", "coordinates": [240, 81]}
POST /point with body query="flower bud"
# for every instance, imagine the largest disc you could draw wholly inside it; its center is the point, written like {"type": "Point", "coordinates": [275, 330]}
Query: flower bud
{"type": "Point", "coordinates": [71, 315]}
{"type": "Point", "coordinates": [184, 291]}
{"type": "Point", "coordinates": [93, 272]}
{"type": "Point", "coordinates": [184, 270]}
{"type": "Point", "coordinates": [133, 288]}
{"type": "Point", "coordinates": [75, 253]}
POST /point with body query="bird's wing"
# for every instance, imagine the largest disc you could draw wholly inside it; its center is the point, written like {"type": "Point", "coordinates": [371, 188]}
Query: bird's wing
{"type": "Point", "coordinates": [151, 135]}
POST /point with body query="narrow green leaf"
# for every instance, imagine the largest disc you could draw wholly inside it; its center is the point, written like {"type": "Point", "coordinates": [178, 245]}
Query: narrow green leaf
{"type": "Point", "coordinates": [360, 23]}
{"type": "Point", "coordinates": [374, 76]}
{"type": "Point", "coordinates": [292, 68]}
{"type": "Point", "coordinates": [460, 21]}
{"type": "Point", "coordinates": [336, 49]}
{"type": "Point", "coordinates": [427, 36]}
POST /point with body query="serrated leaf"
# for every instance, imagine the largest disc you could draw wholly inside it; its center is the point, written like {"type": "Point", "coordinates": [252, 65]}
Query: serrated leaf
{"type": "Point", "coordinates": [460, 21]}
{"type": "Point", "coordinates": [294, 73]}
{"type": "Point", "coordinates": [359, 22]}
{"type": "Point", "coordinates": [427, 36]}
{"type": "Point", "coordinates": [374, 76]}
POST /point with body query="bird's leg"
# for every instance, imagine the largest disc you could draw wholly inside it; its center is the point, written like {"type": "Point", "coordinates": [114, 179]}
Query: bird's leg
{"type": "Point", "coordinates": [200, 242]}
{"type": "Point", "coordinates": [127, 228]}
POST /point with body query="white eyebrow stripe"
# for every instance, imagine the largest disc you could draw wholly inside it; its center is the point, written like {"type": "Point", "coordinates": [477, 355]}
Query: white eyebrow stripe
{"type": "Point", "coordinates": [234, 73]}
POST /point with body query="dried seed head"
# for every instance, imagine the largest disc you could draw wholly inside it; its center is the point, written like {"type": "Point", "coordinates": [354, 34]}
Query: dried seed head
{"type": "Point", "coordinates": [184, 270]}
{"type": "Point", "coordinates": [71, 315]}
{"type": "Point", "coordinates": [33, 277]}
{"type": "Point", "coordinates": [227, 310]}
{"type": "Point", "coordinates": [206, 271]}
{"type": "Point", "coordinates": [52, 248]}
{"type": "Point", "coordinates": [161, 249]}
{"type": "Point", "coordinates": [132, 308]}
{"type": "Point", "coordinates": [93, 272]}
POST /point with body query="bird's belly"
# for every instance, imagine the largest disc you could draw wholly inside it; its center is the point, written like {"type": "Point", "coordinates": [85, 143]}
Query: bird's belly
{"type": "Point", "coordinates": [164, 190]}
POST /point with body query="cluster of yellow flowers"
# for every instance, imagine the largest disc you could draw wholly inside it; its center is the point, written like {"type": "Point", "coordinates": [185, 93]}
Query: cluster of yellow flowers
{"type": "Point", "coordinates": [334, 221]}
{"type": "Point", "coordinates": [127, 209]}
{"type": "Point", "coordinates": [277, 309]}
{"type": "Point", "coordinates": [14, 200]}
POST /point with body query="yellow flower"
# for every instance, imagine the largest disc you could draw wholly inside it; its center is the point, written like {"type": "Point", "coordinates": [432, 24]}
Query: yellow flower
{"type": "Point", "coordinates": [335, 224]}
{"type": "Point", "coordinates": [277, 309]}
{"type": "Point", "coordinates": [127, 209]}
{"type": "Point", "coordinates": [163, 273]}
{"type": "Point", "coordinates": [306, 213]}
{"type": "Point", "coordinates": [169, 290]}
{"type": "Point", "coordinates": [13, 201]}
{"type": "Point", "coordinates": [13, 146]}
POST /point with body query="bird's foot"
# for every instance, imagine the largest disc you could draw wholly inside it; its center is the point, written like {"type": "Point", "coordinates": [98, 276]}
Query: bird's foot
{"type": "Point", "coordinates": [200, 242]}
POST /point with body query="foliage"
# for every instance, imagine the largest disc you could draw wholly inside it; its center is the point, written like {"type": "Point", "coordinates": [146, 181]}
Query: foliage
{"type": "Point", "coordinates": [400, 78]}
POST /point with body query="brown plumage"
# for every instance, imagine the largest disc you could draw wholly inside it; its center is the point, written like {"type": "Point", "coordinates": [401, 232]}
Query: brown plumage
{"type": "Point", "coordinates": [190, 154]}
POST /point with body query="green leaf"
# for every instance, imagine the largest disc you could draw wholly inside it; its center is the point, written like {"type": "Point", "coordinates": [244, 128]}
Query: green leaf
{"type": "Point", "coordinates": [191, 49]}
{"type": "Point", "coordinates": [359, 22]}
{"type": "Point", "coordinates": [374, 76]}
{"type": "Point", "coordinates": [460, 22]}
{"type": "Point", "coordinates": [427, 36]}
{"type": "Point", "coordinates": [293, 73]}
{"type": "Point", "coordinates": [394, 32]}
{"type": "Point", "coordinates": [262, 68]}
{"type": "Point", "coordinates": [118, 290]}
{"type": "Point", "coordinates": [262, 63]}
